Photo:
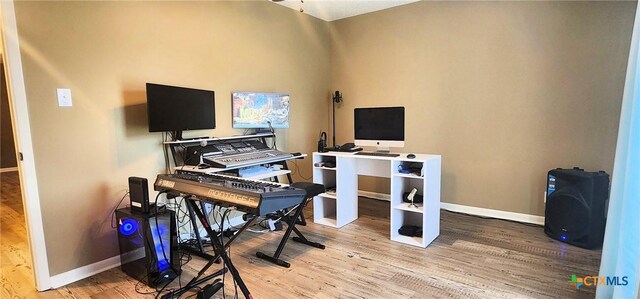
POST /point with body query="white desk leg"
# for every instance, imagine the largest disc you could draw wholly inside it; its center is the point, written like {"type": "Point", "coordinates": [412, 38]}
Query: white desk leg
{"type": "Point", "coordinates": [347, 191]}
{"type": "Point", "coordinates": [431, 225]}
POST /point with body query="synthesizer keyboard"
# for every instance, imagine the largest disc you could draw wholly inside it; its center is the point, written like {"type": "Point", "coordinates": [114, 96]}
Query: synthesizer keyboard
{"type": "Point", "coordinates": [246, 159]}
{"type": "Point", "coordinates": [257, 197]}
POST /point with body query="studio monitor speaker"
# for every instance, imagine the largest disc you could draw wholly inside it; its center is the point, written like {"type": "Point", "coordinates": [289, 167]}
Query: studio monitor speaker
{"type": "Point", "coordinates": [139, 195]}
{"type": "Point", "coordinates": [576, 207]}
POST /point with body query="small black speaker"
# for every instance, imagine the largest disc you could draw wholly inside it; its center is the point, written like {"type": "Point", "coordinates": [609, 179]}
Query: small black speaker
{"type": "Point", "coordinates": [139, 195]}
{"type": "Point", "coordinates": [576, 207]}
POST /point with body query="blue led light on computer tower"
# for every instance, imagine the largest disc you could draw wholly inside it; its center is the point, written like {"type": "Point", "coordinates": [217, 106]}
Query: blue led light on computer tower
{"type": "Point", "coordinates": [128, 227]}
{"type": "Point", "coordinates": [148, 246]}
{"type": "Point", "coordinates": [162, 242]}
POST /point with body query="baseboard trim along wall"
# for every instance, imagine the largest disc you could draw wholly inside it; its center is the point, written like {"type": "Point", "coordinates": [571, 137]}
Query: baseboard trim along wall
{"type": "Point", "coordinates": [83, 272]}
{"type": "Point", "coordinates": [374, 195]}
{"type": "Point", "coordinates": [8, 169]}
{"type": "Point", "coordinates": [519, 217]}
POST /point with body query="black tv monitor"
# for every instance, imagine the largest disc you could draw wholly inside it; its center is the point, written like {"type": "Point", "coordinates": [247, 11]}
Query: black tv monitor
{"type": "Point", "coordinates": [177, 109]}
{"type": "Point", "coordinates": [382, 127]}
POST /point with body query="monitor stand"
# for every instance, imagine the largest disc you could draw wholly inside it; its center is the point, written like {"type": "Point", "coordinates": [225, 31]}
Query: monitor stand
{"type": "Point", "coordinates": [382, 149]}
{"type": "Point", "coordinates": [263, 130]}
{"type": "Point", "coordinates": [177, 135]}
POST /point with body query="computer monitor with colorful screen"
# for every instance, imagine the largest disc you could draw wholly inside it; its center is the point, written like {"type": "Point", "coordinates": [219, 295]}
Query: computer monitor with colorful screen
{"type": "Point", "coordinates": [255, 110]}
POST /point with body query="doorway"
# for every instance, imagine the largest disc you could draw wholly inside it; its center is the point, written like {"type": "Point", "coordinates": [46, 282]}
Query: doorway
{"type": "Point", "coordinates": [15, 261]}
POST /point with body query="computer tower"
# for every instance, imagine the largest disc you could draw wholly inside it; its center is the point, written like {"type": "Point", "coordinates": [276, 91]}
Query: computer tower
{"type": "Point", "coordinates": [148, 246]}
{"type": "Point", "coordinates": [576, 207]}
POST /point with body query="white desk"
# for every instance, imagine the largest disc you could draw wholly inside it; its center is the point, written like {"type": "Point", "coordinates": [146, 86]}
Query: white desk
{"type": "Point", "coordinates": [340, 208]}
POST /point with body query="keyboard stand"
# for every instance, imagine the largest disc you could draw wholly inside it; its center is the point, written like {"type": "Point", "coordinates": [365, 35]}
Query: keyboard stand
{"type": "Point", "coordinates": [199, 248]}
{"type": "Point", "coordinates": [291, 221]}
{"type": "Point", "coordinates": [220, 252]}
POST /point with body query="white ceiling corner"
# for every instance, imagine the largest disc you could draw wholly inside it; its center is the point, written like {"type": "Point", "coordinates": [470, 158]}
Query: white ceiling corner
{"type": "Point", "coordinates": [331, 10]}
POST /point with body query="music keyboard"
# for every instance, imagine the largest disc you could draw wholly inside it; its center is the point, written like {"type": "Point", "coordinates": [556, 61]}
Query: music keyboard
{"type": "Point", "coordinates": [257, 197]}
{"type": "Point", "coordinates": [246, 159]}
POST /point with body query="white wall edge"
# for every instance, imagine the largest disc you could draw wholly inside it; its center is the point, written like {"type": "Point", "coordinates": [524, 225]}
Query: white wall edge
{"type": "Point", "coordinates": [22, 139]}
{"type": "Point", "coordinates": [8, 169]}
{"type": "Point", "coordinates": [83, 272]}
{"type": "Point", "coordinates": [491, 213]}
{"type": "Point", "coordinates": [519, 217]}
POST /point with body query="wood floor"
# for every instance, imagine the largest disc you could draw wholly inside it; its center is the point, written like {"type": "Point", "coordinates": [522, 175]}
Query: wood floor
{"type": "Point", "coordinates": [16, 277]}
{"type": "Point", "coordinates": [472, 258]}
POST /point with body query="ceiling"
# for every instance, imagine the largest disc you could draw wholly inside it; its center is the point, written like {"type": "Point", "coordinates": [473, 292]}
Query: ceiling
{"type": "Point", "coordinates": [331, 10]}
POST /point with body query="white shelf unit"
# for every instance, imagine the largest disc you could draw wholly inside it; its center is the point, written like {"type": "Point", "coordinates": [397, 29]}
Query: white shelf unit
{"type": "Point", "coordinates": [427, 214]}
{"type": "Point", "coordinates": [327, 208]}
{"type": "Point", "coordinates": [324, 205]}
{"type": "Point", "coordinates": [340, 208]}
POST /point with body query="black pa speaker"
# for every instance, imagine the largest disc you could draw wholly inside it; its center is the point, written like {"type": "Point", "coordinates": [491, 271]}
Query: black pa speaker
{"type": "Point", "coordinates": [576, 207]}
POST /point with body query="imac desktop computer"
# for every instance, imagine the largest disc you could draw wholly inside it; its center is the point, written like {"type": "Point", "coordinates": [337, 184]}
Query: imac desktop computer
{"type": "Point", "coordinates": [382, 127]}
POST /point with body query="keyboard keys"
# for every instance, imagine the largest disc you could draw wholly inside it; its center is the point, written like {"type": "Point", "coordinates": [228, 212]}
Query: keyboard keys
{"type": "Point", "coordinates": [377, 154]}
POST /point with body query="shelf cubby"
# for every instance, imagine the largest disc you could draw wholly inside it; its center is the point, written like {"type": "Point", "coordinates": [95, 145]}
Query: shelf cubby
{"type": "Point", "coordinates": [402, 217]}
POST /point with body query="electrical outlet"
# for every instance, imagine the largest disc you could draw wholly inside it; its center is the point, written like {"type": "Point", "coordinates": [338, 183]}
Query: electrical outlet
{"type": "Point", "coordinates": [64, 97]}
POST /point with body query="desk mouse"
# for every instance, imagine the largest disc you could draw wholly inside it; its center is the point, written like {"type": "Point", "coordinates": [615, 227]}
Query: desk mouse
{"type": "Point", "coordinates": [411, 156]}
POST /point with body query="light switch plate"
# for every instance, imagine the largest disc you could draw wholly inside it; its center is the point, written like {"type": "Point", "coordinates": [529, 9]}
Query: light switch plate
{"type": "Point", "coordinates": [64, 97]}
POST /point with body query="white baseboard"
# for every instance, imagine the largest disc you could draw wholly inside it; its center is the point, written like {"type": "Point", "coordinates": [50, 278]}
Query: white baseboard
{"type": "Point", "coordinates": [8, 169]}
{"type": "Point", "coordinates": [519, 217]}
{"type": "Point", "coordinates": [83, 272]}
{"type": "Point", "coordinates": [526, 218]}
{"type": "Point", "coordinates": [374, 195]}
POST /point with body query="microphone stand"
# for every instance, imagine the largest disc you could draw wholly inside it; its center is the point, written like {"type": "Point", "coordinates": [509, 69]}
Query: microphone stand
{"type": "Point", "coordinates": [337, 98]}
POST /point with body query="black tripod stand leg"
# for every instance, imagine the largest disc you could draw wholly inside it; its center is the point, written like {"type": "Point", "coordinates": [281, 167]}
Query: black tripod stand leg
{"type": "Point", "coordinates": [302, 239]}
{"type": "Point", "coordinates": [274, 260]}
{"type": "Point", "coordinates": [192, 218]}
{"type": "Point", "coordinates": [291, 223]}
{"type": "Point", "coordinates": [179, 292]}
{"type": "Point", "coordinates": [221, 250]}
{"type": "Point", "coordinates": [301, 221]}
{"type": "Point", "coordinates": [220, 253]}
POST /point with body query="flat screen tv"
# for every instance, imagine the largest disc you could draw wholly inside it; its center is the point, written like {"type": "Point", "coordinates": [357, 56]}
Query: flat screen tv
{"type": "Point", "coordinates": [176, 109]}
{"type": "Point", "coordinates": [254, 110]}
{"type": "Point", "coordinates": [382, 127]}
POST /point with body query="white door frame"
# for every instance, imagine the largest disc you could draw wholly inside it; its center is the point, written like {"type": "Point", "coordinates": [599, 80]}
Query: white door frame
{"type": "Point", "coordinates": [22, 138]}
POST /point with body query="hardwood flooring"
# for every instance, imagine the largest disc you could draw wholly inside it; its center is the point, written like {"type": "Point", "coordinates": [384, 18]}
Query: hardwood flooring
{"type": "Point", "coordinates": [16, 278]}
{"type": "Point", "coordinates": [472, 258]}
